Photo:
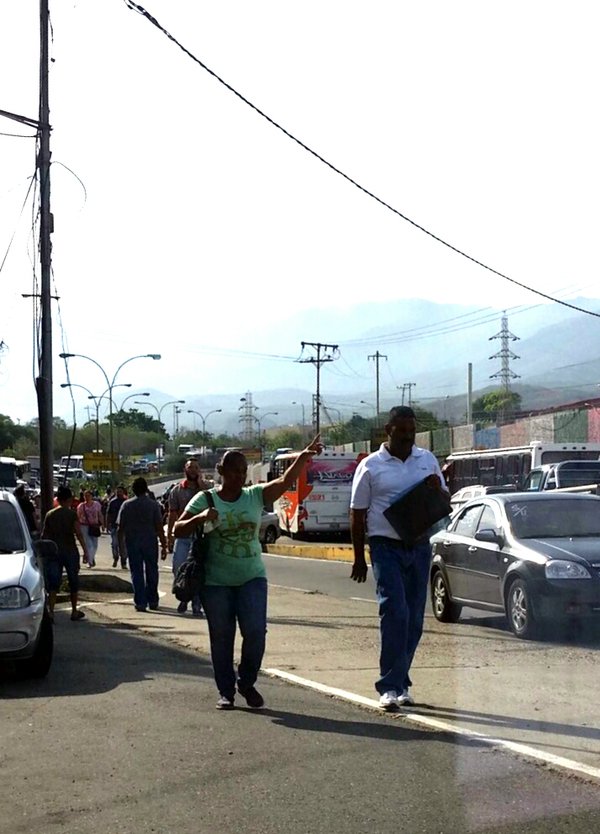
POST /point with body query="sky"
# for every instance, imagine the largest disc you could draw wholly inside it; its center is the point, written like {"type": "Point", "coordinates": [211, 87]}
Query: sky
{"type": "Point", "coordinates": [189, 226]}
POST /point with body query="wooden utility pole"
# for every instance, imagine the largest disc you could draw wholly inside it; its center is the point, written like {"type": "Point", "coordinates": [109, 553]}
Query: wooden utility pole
{"type": "Point", "coordinates": [43, 382]}
{"type": "Point", "coordinates": [377, 356]}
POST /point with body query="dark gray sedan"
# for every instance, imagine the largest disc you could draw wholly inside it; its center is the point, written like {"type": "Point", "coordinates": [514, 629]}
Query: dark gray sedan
{"type": "Point", "coordinates": [535, 557]}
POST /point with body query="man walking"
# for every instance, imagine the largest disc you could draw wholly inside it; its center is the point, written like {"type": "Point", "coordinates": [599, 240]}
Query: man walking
{"type": "Point", "coordinates": [140, 524]}
{"type": "Point", "coordinates": [112, 512]}
{"type": "Point", "coordinates": [62, 527]}
{"type": "Point", "coordinates": [179, 498]}
{"type": "Point", "coordinates": [400, 571]}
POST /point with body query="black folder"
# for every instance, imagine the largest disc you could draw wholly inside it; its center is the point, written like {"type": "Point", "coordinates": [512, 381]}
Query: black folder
{"type": "Point", "coordinates": [417, 510]}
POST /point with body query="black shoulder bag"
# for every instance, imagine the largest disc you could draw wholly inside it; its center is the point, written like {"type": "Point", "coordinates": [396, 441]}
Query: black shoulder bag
{"type": "Point", "coordinates": [189, 579]}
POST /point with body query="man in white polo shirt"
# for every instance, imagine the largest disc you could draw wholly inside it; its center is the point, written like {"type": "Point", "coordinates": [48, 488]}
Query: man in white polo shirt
{"type": "Point", "coordinates": [401, 572]}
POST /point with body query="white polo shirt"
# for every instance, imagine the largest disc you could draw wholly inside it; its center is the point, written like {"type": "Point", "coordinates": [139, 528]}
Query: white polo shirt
{"type": "Point", "coordinates": [380, 479]}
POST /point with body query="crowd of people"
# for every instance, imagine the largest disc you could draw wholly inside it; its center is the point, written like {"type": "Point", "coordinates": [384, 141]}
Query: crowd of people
{"type": "Point", "coordinates": [234, 591]}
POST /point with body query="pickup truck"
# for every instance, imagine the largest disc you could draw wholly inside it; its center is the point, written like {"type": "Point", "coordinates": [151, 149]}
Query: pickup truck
{"type": "Point", "coordinates": [571, 475]}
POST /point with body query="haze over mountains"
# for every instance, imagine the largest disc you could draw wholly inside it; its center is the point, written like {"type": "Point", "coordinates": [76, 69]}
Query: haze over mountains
{"type": "Point", "coordinates": [425, 343]}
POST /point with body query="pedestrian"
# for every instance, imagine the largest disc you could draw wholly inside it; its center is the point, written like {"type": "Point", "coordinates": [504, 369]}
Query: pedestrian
{"type": "Point", "coordinates": [235, 587]}
{"type": "Point", "coordinates": [89, 515]}
{"type": "Point", "coordinates": [62, 527]}
{"type": "Point", "coordinates": [27, 508]}
{"type": "Point", "coordinates": [140, 524]}
{"type": "Point", "coordinates": [179, 497]}
{"type": "Point", "coordinates": [112, 513]}
{"type": "Point", "coordinates": [400, 571]}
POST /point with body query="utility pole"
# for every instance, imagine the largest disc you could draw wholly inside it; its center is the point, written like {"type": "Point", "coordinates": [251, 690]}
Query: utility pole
{"type": "Point", "coordinates": [377, 356]}
{"type": "Point", "coordinates": [407, 386]}
{"type": "Point", "coordinates": [325, 353]}
{"type": "Point", "coordinates": [43, 383]}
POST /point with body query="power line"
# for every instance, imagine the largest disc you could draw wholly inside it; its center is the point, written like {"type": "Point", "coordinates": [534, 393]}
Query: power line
{"type": "Point", "coordinates": [142, 11]}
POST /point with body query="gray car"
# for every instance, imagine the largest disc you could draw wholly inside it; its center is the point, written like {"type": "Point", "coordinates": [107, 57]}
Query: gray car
{"type": "Point", "coordinates": [26, 632]}
{"type": "Point", "coordinates": [269, 528]}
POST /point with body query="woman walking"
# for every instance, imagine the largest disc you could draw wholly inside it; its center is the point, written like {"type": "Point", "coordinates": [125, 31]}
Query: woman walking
{"type": "Point", "coordinates": [89, 515]}
{"type": "Point", "coordinates": [235, 589]}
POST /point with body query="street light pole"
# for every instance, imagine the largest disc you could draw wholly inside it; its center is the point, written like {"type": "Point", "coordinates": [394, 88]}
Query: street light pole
{"type": "Point", "coordinates": [110, 385]}
{"type": "Point", "coordinates": [204, 419]}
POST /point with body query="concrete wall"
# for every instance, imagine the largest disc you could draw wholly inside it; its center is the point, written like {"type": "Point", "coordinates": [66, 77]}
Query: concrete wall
{"type": "Point", "coordinates": [462, 438]}
{"type": "Point", "coordinates": [571, 426]}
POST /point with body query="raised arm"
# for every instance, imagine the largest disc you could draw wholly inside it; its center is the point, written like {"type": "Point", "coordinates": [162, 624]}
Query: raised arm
{"type": "Point", "coordinates": [275, 489]}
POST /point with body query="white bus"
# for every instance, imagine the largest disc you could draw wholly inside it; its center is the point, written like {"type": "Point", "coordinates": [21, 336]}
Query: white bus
{"type": "Point", "coordinates": [511, 465]}
{"type": "Point", "coordinates": [319, 501]}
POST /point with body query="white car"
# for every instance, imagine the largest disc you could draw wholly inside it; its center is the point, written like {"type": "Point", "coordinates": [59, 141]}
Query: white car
{"type": "Point", "coordinates": [26, 631]}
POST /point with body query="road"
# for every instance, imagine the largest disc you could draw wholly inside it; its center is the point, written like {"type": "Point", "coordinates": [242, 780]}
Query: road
{"type": "Point", "coordinates": [123, 738]}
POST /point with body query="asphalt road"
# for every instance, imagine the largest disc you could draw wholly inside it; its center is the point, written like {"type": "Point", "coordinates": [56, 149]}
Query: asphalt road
{"type": "Point", "coordinates": [123, 738]}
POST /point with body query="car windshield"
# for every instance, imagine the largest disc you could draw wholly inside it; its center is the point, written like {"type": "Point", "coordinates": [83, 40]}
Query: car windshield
{"type": "Point", "coordinates": [11, 532]}
{"type": "Point", "coordinates": [554, 519]}
{"type": "Point", "coordinates": [587, 473]}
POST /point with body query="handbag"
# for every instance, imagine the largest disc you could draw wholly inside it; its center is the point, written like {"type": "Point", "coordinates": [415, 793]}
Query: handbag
{"type": "Point", "coordinates": [190, 577]}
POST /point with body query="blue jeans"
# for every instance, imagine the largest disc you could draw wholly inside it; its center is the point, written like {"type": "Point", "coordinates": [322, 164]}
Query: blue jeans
{"type": "Point", "coordinates": [225, 605]}
{"type": "Point", "coordinates": [180, 552]}
{"type": "Point", "coordinates": [402, 577]}
{"type": "Point", "coordinates": [116, 548]}
{"type": "Point", "coordinates": [143, 564]}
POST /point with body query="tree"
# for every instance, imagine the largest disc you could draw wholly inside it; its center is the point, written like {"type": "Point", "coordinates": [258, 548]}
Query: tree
{"type": "Point", "coordinates": [285, 439]}
{"type": "Point", "coordinates": [490, 407]}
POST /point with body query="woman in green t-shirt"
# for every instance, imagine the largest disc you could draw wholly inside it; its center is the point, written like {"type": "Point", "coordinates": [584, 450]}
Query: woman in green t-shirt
{"type": "Point", "coordinates": [235, 589]}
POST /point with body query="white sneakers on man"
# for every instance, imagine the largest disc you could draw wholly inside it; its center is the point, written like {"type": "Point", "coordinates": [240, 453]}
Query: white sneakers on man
{"type": "Point", "coordinates": [405, 699]}
{"type": "Point", "coordinates": [390, 701]}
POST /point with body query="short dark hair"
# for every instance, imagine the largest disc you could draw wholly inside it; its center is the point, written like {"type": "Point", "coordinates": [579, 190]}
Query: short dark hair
{"type": "Point", "coordinates": [398, 412]}
{"type": "Point", "coordinates": [229, 458]}
{"type": "Point", "coordinates": [63, 493]}
{"type": "Point", "coordinates": [19, 491]}
{"type": "Point", "coordinates": [139, 486]}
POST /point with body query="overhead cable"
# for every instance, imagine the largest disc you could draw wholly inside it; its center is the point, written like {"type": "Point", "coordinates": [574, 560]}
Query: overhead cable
{"type": "Point", "coordinates": [141, 10]}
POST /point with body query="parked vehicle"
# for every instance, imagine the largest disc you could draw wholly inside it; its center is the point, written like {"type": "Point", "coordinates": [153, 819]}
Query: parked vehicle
{"type": "Point", "coordinates": [8, 472]}
{"type": "Point", "coordinates": [510, 465]}
{"type": "Point", "coordinates": [269, 530]}
{"type": "Point", "coordinates": [564, 475]}
{"type": "Point", "coordinates": [26, 631]}
{"type": "Point", "coordinates": [466, 494]}
{"type": "Point", "coordinates": [534, 557]}
{"type": "Point", "coordinates": [319, 500]}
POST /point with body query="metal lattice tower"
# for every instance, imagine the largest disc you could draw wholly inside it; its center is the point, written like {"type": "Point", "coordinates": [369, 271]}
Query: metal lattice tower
{"type": "Point", "coordinates": [247, 418]}
{"type": "Point", "coordinates": [505, 374]}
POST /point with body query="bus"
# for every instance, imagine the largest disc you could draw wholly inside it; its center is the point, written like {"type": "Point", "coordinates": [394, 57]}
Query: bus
{"type": "Point", "coordinates": [8, 473]}
{"type": "Point", "coordinates": [319, 500]}
{"type": "Point", "coordinates": [510, 466]}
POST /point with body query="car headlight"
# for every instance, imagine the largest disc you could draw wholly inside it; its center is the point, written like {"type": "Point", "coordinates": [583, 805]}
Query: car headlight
{"type": "Point", "coordinates": [562, 569]}
{"type": "Point", "coordinates": [14, 597]}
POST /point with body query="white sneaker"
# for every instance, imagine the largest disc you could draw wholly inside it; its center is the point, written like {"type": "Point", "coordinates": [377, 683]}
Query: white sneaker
{"type": "Point", "coordinates": [405, 699]}
{"type": "Point", "coordinates": [389, 701]}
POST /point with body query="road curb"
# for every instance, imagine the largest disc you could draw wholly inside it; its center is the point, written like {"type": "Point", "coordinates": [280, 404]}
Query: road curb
{"type": "Point", "coordinates": [333, 553]}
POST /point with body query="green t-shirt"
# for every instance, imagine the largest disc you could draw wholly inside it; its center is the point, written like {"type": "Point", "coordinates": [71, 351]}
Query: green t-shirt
{"type": "Point", "coordinates": [234, 552]}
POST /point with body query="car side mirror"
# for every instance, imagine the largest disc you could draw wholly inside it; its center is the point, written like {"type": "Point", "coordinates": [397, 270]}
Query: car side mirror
{"type": "Point", "coordinates": [45, 548]}
{"type": "Point", "coordinates": [489, 537]}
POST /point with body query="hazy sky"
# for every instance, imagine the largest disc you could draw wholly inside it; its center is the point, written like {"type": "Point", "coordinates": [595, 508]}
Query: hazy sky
{"type": "Point", "coordinates": [206, 227]}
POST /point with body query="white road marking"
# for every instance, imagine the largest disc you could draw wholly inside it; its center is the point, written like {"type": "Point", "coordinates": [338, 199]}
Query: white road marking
{"type": "Point", "coordinates": [291, 588]}
{"type": "Point", "coordinates": [444, 726]}
{"type": "Point", "coordinates": [361, 599]}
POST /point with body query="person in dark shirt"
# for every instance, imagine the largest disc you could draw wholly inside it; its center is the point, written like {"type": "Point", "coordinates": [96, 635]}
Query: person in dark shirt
{"type": "Point", "coordinates": [140, 524]}
{"type": "Point", "coordinates": [112, 513]}
{"type": "Point", "coordinates": [61, 526]}
{"type": "Point", "coordinates": [27, 508]}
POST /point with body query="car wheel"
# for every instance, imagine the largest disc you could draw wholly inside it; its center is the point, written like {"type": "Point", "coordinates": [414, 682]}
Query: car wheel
{"type": "Point", "coordinates": [270, 535]}
{"type": "Point", "coordinates": [519, 611]}
{"type": "Point", "coordinates": [38, 665]}
{"type": "Point", "coordinates": [444, 609]}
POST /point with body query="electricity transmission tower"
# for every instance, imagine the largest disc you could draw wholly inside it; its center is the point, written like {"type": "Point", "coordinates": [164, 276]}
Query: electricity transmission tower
{"type": "Point", "coordinates": [505, 374]}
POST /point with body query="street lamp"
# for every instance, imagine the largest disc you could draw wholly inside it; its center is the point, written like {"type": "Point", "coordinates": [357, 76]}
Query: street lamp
{"type": "Point", "coordinates": [96, 400]}
{"type": "Point", "coordinates": [130, 396]}
{"type": "Point", "coordinates": [303, 419]}
{"type": "Point", "coordinates": [110, 385]}
{"type": "Point", "coordinates": [160, 410]}
{"type": "Point", "coordinates": [204, 419]}
{"type": "Point", "coordinates": [261, 418]}
{"type": "Point", "coordinates": [364, 402]}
